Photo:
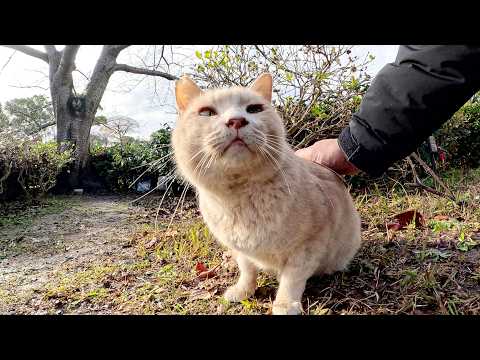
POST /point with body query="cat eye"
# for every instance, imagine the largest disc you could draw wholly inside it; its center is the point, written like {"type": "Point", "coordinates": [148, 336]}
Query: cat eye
{"type": "Point", "coordinates": [207, 111]}
{"type": "Point", "coordinates": [255, 108]}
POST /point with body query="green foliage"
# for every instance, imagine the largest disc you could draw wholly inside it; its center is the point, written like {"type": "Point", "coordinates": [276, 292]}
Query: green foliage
{"type": "Point", "coordinates": [3, 118]}
{"type": "Point", "coordinates": [100, 120]}
{"type": "Point", "coordinates": [315, 90]}
{"type": "Point", "coordinates": [30, 163]}
{"type": "Point", "coordinates": [460, 136]}
{"type": "Point", "coordinates": [123, 163]}
{"type": "Point", "coordinates": [30, 114]}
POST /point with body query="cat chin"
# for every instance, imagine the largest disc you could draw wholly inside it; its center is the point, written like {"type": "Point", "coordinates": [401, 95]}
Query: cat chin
{"type": "Point", "coordinates": [237, 152]}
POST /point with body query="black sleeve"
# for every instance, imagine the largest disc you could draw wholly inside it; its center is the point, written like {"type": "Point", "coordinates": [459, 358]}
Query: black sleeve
{"type": "Point", "coordinates": [407, 101]}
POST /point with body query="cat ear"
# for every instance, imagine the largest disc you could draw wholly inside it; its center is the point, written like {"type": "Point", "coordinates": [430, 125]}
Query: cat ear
{"type": "Point", "coordinates": [263, 86]}
{"type": "Point", "coordinates": [185, 91]}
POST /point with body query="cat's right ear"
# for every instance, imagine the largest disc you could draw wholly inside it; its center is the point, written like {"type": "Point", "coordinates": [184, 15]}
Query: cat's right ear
{"type": "Point", "coordinates": [185, 91]}
{"type": "Point", "coordinates": [263, 86]}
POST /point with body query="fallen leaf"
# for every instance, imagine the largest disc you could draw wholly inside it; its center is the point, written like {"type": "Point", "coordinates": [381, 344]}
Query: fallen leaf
{"type": "Point", "coordinates": [203, 272]}
{"type": "Point", "coordinates": [207, 274]}
{"type": "Point", "coordinates": [441, 217]}
{"type": "Point", "coordinates": [200, 268]}
{"type": "Point", "coordinates": [402, 220]}
{"type": "Point", "coordinates": [394, 226]}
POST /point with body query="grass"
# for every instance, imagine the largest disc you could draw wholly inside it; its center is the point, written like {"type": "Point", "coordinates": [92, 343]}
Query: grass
{"type": "Point", "coordinates": [431, 269]}
{"type": "Point", "coordinates": [24, 213]}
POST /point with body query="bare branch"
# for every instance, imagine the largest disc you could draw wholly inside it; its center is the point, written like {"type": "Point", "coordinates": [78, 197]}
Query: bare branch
{"type": "Point", "coordinates": [7, 62]}
{"type": "Point", "coordinates": [29, 51]}
{"type": "Point", "coordinates": [135, 70]}
{"type": "Point", "coordinates": [85, 76]}
{"type": "Point", "coordinates": [67, 63]}
{"type": "Point", "coordinates": [50, 49]}
{"type": "Point", "coordinates": [28, 87]}
{"type": "Point", "coordinates": [119, 47]}
{"type": "Point", "coordinates": [432, 174]}
{"type": "Point", "coordinates": [43, 126]}
{"type": "Point", "coordinates": [419, 184]}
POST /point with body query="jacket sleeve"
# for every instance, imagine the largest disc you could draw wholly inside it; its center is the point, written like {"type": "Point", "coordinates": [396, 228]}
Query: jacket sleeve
{"type": "Point", "coordinates": [407, 101]}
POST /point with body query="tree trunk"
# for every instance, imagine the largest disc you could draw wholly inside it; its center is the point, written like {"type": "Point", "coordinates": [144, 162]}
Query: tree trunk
{"type": "Point", "coordinates": [75, 131]}
{"type": "Point", "coordinates": [72, 127]}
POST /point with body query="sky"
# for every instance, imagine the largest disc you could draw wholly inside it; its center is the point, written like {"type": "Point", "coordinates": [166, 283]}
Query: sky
{"type": "Point", "coordinates": [127, 94]}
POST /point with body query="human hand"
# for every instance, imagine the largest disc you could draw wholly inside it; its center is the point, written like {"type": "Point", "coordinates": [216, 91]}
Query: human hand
{"type": "Point", "coordinates": [327, 152]}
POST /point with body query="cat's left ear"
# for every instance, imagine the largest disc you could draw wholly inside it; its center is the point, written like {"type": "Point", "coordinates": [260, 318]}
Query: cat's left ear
{"type": "Point", "coordinates": [263, 86]}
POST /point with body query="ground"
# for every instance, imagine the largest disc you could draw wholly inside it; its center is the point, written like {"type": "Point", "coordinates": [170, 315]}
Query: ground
{"type": "Point", "coordinates": [107, 255]}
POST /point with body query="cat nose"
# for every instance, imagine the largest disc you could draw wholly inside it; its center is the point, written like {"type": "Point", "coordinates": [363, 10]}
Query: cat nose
{"type": "Point", "coordinates": [237, 123]}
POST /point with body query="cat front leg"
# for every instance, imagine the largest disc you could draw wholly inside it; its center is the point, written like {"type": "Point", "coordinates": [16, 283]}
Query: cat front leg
{"type": "Point", "coordinates": [247, 282]}
{"type": "Point", "coordinates": [289, 296]}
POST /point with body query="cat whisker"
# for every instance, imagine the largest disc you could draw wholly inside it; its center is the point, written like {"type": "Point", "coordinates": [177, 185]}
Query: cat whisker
{"type": "Point", "coordinates": [155, 188]}
{"type": "Point", "coordinates": [276, 165]}
{"type": "Point", "coordinates": [272, 136]}
{"type": "Point", "coordinates": [271, 145]}
{"type": "Point", "coordinates": [200, 163]}
{"type": "Point", "coordinates": [152, 165]}
{"type": "Point", "coordinates": [161, 201]}
{"type": "Point", "coordinates": [180, 201]}
{"type": "Point", "coordinates": [212, 161]}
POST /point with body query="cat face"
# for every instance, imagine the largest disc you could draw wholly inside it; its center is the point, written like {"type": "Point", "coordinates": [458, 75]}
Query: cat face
{"type": "Point", "coordinates": [226, 130]}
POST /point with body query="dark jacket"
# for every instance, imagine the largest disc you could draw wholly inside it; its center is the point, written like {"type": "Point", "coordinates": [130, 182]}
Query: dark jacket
{"type": "Point", "coordinates": [407, 101]}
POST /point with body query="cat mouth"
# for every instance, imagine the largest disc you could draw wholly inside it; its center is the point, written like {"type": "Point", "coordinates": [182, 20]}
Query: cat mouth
{"type": "Point", "coordinates": [236, 142]}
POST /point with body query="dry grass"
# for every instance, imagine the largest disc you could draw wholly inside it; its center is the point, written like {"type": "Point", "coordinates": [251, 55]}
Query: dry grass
{"type": "Point", "coordinates": [419, 270]}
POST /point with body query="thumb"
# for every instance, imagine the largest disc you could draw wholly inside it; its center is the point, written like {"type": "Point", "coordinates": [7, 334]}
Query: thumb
{"type": "Point", "coordinates": [305, 153]}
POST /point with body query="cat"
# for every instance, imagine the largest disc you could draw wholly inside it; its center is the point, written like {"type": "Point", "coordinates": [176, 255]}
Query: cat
{"type": "Point", "coordinates": [274, 210]}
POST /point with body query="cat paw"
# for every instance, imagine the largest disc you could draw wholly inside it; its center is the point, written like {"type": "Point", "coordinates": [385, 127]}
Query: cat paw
{"type": "Point", "coordinates": [294, 308]}
{"type": "Point", "coordinates": [236, 293]}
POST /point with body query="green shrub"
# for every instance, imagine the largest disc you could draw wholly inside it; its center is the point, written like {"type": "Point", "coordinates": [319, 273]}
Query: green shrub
{"type": "Point", "coordinates": [121, 164]}
{"type": "Point", "coordinates": [460, 136]}
{"type": "Point", "coordinates": [31, 164]}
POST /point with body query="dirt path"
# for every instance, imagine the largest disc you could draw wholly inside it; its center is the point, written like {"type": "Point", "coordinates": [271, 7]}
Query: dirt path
{"type": "Point", "coordinates": [88, 229]}
{"type": "Point", "coordinates": [101, 255]}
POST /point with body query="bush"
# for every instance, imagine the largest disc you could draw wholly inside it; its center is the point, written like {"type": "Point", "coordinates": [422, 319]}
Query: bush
{"type": "Point", "coordinates": [30, 164]}
{"type": "Point", "coordinates": [316, 87]}
{"type": "Point", "coordinates": [121, 164]}
{"type": "Point", "coordinates": [460, 136]}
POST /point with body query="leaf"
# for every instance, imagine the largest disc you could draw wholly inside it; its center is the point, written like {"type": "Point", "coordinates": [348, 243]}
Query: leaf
{"type": "Point", "coordinates": [394, 226]}
{"type": "Point", "coordinates": [203, 272]}
{"type": "Point", "coordinates": [200, 268]}
{"type": "Point", "coordinates": [441, 217]}
{"type": "Point", "coordinates": [198, 54]}
{"type": "Point", "coordinates": [402, 220]}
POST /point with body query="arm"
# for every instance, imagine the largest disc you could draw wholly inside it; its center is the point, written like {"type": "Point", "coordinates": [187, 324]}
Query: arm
{"type": "Point", "coordinates": [407, 101]}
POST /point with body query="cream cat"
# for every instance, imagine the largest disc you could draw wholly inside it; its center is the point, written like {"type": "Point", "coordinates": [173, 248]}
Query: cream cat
{"type": "Point", "coordinates": [274, 210]}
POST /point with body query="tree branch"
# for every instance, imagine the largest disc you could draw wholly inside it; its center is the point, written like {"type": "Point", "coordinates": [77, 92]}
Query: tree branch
{"type": "Point", "coordinates": [67, 62]}
{"type": "Point", "coordinates": [135, 70]}
{"type": "Point", "coordinates": [29, 87]}
{"type": "Point", "coordinates": [51, 49]}
{"type": "Point", "coordinates": [29, 51]}
{"type": "Point", "coordinates": [43, 126]}
{"type": "Point", "coordinates": [8, 61]}
{"type": "Point", "coordinates": [119, 47]}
